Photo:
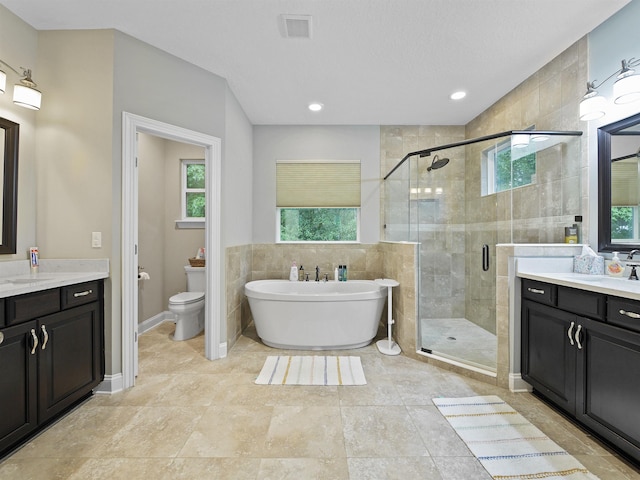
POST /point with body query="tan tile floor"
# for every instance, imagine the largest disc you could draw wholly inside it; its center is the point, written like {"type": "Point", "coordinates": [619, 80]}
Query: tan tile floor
{"type": "Point", "coordinates": [189, 418]}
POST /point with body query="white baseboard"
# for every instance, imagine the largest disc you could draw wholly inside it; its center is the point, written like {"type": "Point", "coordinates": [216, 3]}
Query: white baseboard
{"type": "Point", "coordinates": [517, 384]}
{"type": "Point", "coordinates": [223, 350]}
{"type": "Point", "coordinates": [110, 385]}
{"type": "Point", "coordinates": [154, 321]}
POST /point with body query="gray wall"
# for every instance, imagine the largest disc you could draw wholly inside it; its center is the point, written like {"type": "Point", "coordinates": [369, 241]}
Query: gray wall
{"type": "Point", "coordinates": [271, 143]}
{"type": "Point", "coordinates": [616, 39]}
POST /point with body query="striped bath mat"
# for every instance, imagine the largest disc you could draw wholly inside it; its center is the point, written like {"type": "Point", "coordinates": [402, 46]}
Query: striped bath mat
{"type": "Point", "coordinates": [506, 444]}
{"type": "Point", "coordinates": [311, 370]}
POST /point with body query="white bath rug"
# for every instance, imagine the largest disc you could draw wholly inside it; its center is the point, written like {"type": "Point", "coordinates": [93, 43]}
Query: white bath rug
{"type": "Point", "coordinates": [506, 444]}
{"type": "Point", "coordinates": [311, 370]}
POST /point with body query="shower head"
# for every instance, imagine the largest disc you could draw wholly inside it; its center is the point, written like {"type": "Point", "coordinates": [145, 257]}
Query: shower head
{"type": "Point", "coordinates": [437, 163]}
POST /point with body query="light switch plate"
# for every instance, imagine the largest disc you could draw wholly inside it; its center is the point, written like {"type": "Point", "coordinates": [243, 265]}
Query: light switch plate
{"type": "Point", "coordinates": [96, 239]}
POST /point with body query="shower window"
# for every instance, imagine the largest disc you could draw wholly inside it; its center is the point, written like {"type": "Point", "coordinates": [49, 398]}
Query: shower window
{"type": "Point", "coordinates": [505, 168]}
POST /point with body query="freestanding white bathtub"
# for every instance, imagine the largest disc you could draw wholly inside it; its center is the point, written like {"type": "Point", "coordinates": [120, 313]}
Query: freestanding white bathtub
{"type": "Point", "coordinates": [316, 315]}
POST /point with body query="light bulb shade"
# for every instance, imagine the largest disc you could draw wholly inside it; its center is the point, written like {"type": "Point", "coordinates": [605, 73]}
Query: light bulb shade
{"type": "Point", "coordinates": [592, 107]}
{"type": "Point", "coordinates": [520, 141]}
{"type": "Point", "coordinates": [626, 89]}
{"type": "Point", "coordinates": [26, 97]}
{"type": "Point", "coordinates": [3, 81]}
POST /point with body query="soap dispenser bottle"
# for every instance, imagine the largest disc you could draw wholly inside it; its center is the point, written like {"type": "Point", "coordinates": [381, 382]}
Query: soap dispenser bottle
{"type": "Point", "coordinates": [614, 266]}
{"type": "Point", "coordinates": [293, 274]}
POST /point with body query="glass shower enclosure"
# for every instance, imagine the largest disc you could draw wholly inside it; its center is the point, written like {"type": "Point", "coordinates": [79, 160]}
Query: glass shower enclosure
{"type": "Point", "coordinates": [458, 201]}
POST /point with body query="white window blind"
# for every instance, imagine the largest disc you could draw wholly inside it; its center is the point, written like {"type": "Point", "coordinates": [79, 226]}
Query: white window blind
{"type": "Point", "coordinates": [624, 183]}
{"type": "Point", "coordinates": [317, 184]}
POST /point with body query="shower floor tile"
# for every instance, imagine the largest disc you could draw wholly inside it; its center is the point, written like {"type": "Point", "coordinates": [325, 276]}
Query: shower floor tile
{"type": "Point", "coordinates": [460, 339]}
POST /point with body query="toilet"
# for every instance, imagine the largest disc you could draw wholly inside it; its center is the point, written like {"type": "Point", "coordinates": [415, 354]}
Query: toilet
{"type": "Point", "coordinates": [188, 307]}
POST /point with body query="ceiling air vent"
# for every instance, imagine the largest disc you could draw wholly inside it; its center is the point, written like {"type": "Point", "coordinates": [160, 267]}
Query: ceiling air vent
{"type": "Point", "coordinates": [296, 26]}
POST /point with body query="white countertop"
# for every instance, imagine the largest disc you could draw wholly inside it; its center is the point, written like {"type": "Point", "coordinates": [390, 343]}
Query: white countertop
{"type": "Point", "coordinates": [16, 279]}
{"type": "Point", "coordinates": [618, 286]}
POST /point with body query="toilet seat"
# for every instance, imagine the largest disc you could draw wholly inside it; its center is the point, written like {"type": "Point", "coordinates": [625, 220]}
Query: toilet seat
{"type": "Point", "coordinates": [186, 298]}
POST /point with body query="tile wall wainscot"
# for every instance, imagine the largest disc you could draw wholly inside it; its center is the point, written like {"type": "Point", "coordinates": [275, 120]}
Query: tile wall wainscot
{"type": "Point", "coordinates": [364, 261]}
{"type": "Point", "coordinates": [508, 304]}
{"type": "Point", "coordinates": [237, 273]}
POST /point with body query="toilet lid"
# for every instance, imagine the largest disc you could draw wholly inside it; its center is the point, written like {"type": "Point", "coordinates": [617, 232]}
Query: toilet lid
{"type": "Point", "coordinates": [187, 297]}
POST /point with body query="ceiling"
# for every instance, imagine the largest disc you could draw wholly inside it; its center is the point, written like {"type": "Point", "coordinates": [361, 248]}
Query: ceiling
{"type": "Point", "coordinates": [370, 62]}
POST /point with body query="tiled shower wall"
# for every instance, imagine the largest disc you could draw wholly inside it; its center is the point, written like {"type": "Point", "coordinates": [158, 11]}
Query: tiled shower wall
{"type": "Point", "coordinates": [461, 219]}
{"type": "Point", "coordinates": [365, 262]}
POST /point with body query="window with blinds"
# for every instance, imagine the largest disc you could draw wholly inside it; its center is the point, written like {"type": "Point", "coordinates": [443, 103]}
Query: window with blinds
{"type": "Point", "coordinates": [318, 201]}
{"type": "Point", "coordinates": [308, 184]}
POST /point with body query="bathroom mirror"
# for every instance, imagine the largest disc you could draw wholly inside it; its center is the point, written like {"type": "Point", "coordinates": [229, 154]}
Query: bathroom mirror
{"type": "Point", "coordinates": [9, 137]}
{"type": "Point", "coordinates": [619, 185]}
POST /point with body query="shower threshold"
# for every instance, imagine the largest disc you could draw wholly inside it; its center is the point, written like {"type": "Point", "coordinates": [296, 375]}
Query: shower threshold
{"type": "Point", "coordinates": [460, 342]}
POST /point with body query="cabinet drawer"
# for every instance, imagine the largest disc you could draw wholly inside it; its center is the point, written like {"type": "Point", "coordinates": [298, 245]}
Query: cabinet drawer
{"type": "Point", "coordinates": [582, 302]}
{"type": "Point", "coordinates": [32, 305]}
{"type": "Point", "coordinates": [74, 295]}
{"type": "Point", "coordinates": [540, 292]}
{"type": "Point", "coordinates": [623, 312]}
{"type": "Point", "coordinates": [1, 312]}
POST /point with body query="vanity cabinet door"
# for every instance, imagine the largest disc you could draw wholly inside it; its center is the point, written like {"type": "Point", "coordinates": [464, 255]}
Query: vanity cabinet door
{"type": "Point", "coordinates": [608, 386]}
{"type": "Point", "coordinates": [18, 383]}
{"type": "Point", "coordinates": [548, 354]}
{"type": "Point", "coordinates": [70, 362]}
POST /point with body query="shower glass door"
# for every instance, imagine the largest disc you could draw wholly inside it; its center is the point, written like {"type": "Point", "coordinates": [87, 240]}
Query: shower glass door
{"type": "Point", "coordinates": [512, 187]}
{"type": "Point", "coordinates": [457, 234]}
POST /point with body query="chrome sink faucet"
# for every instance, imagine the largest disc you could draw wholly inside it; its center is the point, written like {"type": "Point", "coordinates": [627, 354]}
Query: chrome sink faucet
{"type": "Point", "coordinates": [631, 254]}
{"type": "Point", "coordinates": [317, 273]}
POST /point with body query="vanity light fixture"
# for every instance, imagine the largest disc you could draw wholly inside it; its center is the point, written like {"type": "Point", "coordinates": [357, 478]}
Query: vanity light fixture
{"type": "Point", "coordinates": [25, 93]}
{"type": "Point", "coordinates": [626, 89]}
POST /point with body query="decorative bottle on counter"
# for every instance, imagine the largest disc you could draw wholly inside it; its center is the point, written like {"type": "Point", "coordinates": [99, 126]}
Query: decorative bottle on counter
{"type": "Point", "coordinates": [293, 274]}
{"type": "Point", "coordinates": [614, 267]}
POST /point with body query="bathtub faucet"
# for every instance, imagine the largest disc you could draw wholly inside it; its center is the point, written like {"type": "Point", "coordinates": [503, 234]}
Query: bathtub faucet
{"type": "Point", "coordinates": [317, 273]}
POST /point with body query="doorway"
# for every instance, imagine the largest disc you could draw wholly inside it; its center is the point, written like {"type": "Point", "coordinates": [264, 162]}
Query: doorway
{"type": "Point", "coordinates": [131, 126]}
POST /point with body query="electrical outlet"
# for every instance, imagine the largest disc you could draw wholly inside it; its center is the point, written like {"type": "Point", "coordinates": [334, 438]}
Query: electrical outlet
{"type": "Point", "coordinates": [96, 239]}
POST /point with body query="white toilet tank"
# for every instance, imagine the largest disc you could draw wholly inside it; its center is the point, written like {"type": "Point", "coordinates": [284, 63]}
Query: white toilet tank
{"type": "Point", "coordinates": [195, 278]}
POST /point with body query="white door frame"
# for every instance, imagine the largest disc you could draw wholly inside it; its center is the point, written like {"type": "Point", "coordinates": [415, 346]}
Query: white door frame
{"type": "Point", "coordinates": [131, 125]}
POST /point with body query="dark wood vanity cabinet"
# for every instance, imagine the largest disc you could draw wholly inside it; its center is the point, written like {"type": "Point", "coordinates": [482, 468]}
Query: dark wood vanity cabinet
{"type": "Point", "coordinates": [583, 354]}
{"type": "Point", "coordinates": [48, 363]}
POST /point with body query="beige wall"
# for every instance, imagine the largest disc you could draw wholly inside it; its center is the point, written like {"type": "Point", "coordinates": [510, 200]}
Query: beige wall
{"type": "Point", "coordinates": [164, 250]}
{"type": "Point", "coordinates": [151, 220]}
{"type": "Point", "coordinates": [180, 244]}
{"type": "Point", "coordinates": [18, 47]}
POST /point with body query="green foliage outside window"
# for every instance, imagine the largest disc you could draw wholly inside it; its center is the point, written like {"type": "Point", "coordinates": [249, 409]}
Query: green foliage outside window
{"type": "Point", "coordinates": [195, 181]}
{"type": "Point", "coordinates": [622, 223]}
{"type": "Point", "coordinates": [319, 224]}
{"type": "Point", "coordinates": [195, 204]}
{"type": "Point", "coordinates": [513, 174]}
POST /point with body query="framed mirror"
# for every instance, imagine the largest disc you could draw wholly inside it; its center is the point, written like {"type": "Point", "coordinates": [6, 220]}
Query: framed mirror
{"type": "Point", "coordinates": [9, 138]}
{"type": "Point", "coordinates": [619, 185]}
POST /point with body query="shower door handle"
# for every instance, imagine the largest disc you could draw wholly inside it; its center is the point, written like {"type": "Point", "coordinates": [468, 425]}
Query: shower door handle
{"type": "Point", "coordinates": [485, 257]}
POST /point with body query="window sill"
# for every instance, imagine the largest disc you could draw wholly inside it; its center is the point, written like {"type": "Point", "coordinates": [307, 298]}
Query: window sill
{"type": "Point", "coordinates": [183, 224]}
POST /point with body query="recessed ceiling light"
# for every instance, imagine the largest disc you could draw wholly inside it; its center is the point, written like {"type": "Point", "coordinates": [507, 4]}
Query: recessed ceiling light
{"type": "Point", "coordinates": [458, 95]}
{"type": "Point", "coordinates": [316, 106]}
